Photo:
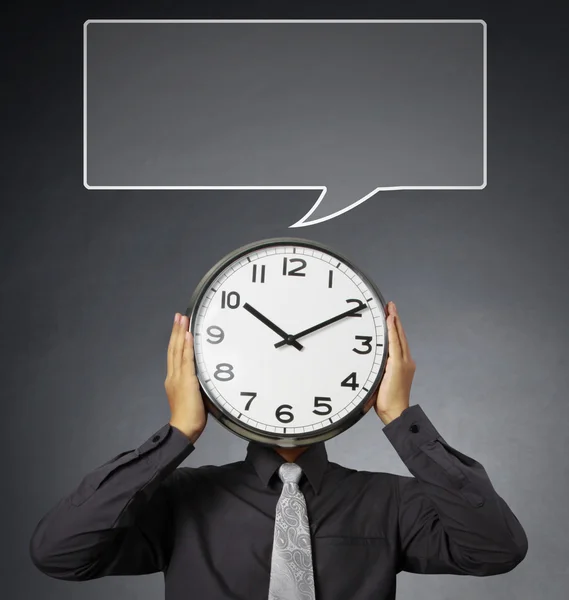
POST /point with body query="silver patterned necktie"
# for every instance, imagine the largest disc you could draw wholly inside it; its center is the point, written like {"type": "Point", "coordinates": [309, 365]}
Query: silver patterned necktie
{"type": "Point", "coordinates": [291, 562]}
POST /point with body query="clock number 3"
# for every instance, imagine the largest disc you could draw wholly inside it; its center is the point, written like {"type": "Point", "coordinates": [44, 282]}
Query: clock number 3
{"type": "Point", "coordinates": [366, 342]}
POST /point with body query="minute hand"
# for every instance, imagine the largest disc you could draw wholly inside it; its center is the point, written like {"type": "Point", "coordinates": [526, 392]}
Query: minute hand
{"type": "Point", "coordinates": [291, 339]}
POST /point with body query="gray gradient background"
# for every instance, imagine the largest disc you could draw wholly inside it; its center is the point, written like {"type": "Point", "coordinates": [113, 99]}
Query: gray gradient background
{"type": "Point", "coordinates": [91, 280]}
{"type": "Point", "coordinates": [350, 106]}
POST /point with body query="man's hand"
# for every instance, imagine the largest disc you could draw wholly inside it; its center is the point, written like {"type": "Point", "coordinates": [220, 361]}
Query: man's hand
{"type": "Point", "coordinates": [394, 391]}
{"type": "Point", "coordinates": [188, 412]}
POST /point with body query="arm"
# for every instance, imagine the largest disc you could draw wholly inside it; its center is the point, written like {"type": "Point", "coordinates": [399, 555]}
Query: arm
{"type": "Point", "coordinates": [117, 521]}
{"type": "Point", "coordinates": [451, 520]}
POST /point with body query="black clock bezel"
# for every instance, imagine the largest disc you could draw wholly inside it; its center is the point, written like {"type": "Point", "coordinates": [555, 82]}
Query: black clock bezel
{"type": "Point", "coordinates": [265, 437]}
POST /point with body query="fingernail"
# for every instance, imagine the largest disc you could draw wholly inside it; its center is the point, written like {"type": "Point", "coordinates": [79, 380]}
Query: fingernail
{"type": "Point", "coordinates": [176, 317]}
{"type": "Point", "coordinates": [188, 335]}
{"type": "Point", "coordinates": [393, 305]}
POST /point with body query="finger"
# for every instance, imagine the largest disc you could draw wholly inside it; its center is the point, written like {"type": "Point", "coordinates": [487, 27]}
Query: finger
{"type": "Point", "coordinates": [393, 337]}
{"type": "Point", "coordinates": [179, 343]}
{"type": "Point", "coordinates": [170, 353]}
{"type": "Point", "coordinates": [188, 353]}
{"type": "Point", "coordinates": [405, 350]}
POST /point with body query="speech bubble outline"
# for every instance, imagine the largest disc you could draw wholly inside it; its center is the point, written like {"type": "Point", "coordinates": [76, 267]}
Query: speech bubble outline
{"type": "Point", "coordinates": [303, 222]}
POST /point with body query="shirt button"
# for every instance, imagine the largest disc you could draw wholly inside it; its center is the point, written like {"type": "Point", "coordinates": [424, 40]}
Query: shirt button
{"type": "Point", "coordinates": [155, 438]}
{"type": "Point", "coordinates": [414, 428]}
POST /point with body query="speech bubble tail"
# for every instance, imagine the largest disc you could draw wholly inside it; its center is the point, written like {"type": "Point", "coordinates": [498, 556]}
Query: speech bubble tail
{"type": "Point", "coordinates": [317, 214]}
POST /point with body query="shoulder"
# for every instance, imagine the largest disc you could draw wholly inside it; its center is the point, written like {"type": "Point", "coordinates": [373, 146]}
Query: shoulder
{"type": "Point", "coordinates": [361, 478]}
{"type": "Point", "coordinates": [205, 474]}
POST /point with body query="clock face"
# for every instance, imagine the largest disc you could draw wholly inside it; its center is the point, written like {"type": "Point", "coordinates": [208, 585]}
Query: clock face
{"type": "Point", "coordinates": [274, 349]}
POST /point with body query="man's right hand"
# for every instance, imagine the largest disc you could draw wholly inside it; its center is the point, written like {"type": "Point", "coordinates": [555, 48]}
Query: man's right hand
{"type": "Point", "coordinates": [188, 412]}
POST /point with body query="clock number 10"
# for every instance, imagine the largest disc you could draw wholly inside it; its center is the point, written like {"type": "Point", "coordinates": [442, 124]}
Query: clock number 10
{"type": "Point", "coordinates": [230, 299]}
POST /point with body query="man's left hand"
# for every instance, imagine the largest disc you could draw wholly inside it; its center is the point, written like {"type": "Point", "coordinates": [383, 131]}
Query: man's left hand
{"type": "Point", "coordinates": [392, 397]}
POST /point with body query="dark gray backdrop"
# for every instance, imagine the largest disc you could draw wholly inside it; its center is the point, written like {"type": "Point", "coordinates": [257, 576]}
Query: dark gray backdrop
{"type": "Point", "coordinates": [91, 280]}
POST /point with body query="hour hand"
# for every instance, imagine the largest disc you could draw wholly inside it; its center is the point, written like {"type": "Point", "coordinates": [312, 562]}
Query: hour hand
{"type": "Point", "coordinates": [287, 339]}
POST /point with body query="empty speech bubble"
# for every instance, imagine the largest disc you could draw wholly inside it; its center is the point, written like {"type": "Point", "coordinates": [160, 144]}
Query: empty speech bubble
{"type": "Point", "coordinates": [344, 108]}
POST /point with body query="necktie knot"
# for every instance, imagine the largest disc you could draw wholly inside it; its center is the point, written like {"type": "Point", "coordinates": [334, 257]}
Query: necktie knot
{"type": "Point", "coordinates": [290, 472]}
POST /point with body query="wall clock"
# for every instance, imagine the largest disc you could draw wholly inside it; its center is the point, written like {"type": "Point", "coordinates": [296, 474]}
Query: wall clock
{"type": "Point", "coordinates": [290, 341]}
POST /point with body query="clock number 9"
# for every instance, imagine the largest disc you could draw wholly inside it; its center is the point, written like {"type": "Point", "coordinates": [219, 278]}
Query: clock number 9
{"type": "Point", "coordinates": [224, 372]}
{"type": "Point", "coordinates": [217, 333]}
{"type": "Point", "coordinates": [284, 416]}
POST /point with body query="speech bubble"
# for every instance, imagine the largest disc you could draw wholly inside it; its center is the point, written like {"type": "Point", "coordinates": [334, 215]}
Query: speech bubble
{"type": "Point", "coordinates": [347, 108]}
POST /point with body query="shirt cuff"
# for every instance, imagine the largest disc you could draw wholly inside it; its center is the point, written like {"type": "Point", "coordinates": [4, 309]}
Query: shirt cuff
{"type": "Point", "coordinates": [410, 431]}
{"type": "Point", "coordinates": [178, 443]}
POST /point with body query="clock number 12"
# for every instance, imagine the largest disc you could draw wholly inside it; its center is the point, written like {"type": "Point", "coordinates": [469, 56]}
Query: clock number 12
{"type": "Point", "coordinates": [296, 271]}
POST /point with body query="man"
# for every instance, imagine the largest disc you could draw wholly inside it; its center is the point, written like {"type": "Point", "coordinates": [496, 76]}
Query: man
{"type": "Point", "coordinates": [210, 529]}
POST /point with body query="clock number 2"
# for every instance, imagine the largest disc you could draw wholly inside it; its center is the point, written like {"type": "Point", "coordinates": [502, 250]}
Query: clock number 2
{"type": "Point", "coordinates": [320, 402]}
{"type": "Point", "coordinates": [283, 415]}
{"type": "Point", "coordinates": [357, 302]}
{"type": "Point", "coordinates": [366, 342]}
{"type": "Point", "coordinates": [253, 396]}
{"type": "Point", "coordinates": [296, 271]}
{"type": "Point", "coordinates": [224, 372]}
{"type": "Point", "coordinates": [350, 381]}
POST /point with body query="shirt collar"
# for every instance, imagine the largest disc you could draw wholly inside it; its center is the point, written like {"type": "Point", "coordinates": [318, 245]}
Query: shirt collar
{"type": "Point", "coordinates": [266, 461]}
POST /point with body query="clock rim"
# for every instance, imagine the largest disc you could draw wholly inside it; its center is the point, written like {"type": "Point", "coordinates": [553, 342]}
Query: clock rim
{"type": "Point", "coordinates": [269, 438]}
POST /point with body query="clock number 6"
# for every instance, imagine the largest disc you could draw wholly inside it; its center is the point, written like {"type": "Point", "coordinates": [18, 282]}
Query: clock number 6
{"type": "Point", "coordinates": [283, 415]}
{"type": "Point", "coordinates": [224, 372]}
{"type": "Point", "coordinates": [320, 402]}
{"type": "Point", "coordinates": [366, 342]}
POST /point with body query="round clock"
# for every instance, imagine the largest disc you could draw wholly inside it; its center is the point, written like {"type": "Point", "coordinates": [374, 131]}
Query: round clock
{"type": "Point", "coordinates": [290, 341]}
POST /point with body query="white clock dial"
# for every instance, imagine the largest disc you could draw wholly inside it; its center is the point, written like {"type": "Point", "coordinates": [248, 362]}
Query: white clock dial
{"type": "Point", "coordinates": [295, 388]}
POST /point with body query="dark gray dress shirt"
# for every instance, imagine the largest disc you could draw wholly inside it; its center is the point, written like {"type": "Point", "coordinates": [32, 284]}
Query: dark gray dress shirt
{"type": "Point", "coordinates": [209, 529]}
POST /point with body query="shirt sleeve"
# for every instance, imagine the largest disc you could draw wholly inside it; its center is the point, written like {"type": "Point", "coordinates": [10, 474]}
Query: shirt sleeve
{"type": "Point", "coordinates": [117, 521]}
{"type": "Point", "coordinates": [451, 520]}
